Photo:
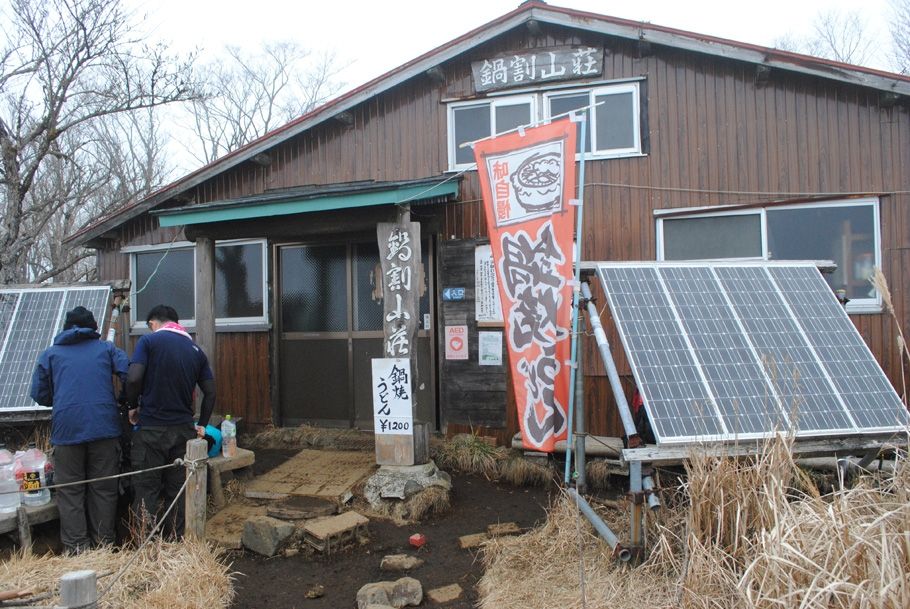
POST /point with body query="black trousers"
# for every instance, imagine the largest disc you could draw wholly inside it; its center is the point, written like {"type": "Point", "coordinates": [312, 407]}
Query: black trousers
{"type": "Point", "coordinates": [154, 491]}
{"type": "Point", "coordinates": [88, 512]}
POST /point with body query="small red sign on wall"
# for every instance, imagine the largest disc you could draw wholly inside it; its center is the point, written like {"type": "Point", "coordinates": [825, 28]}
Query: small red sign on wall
{"type": "Point", "coordinates": [456, 342]}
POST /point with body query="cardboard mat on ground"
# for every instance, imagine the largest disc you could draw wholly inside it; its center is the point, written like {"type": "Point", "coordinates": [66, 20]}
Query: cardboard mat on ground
{"type": "Point", "coordinates": [316, 473]}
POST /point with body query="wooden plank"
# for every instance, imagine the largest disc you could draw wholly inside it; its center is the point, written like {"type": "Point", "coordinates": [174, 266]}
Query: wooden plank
{"type": "Point", "coordinates": [35, 515]}
{"type": "Point", "coordinates": [205, 296]}
{"type": "Point", "coordinates": [803, 448]}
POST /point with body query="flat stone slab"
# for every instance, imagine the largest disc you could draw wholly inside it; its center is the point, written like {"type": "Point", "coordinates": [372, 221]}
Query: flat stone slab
{"type": "Point", "coordinates": [265, 535]}
{"type": "Point", "coordinates": [225, 528]}
{"type": "Point", "coordinates": [297, 507]}
{"type": "Point", "coordinates": [445, 594]}
{"type": "Point", "coordinates": [323, 528]}
{"type": "Point", "coordinates": [317, 473]}
{"type": "Point", "coordinates": [503, 528]}
{"type": "Point", "coordinates": [466, 542]}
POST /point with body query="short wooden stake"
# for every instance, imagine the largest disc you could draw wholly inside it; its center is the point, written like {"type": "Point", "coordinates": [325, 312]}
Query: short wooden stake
{"type": "Point", "coordinates": [196, 466]}
{"type": "Point", "coordinates": [25, 529]}
{"type": "Point", "coordinates": [79, 589]}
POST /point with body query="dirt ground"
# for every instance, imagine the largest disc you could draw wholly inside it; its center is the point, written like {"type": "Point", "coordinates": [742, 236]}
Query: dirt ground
{"type": "Point", "coordinates": [282, 583]}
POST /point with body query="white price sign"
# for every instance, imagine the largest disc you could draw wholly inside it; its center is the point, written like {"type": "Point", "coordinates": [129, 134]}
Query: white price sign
{"type": "Point", "coordinates": [392, 410]}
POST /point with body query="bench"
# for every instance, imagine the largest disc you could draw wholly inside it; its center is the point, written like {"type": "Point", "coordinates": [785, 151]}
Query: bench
{"type": "Point", "coordinates": [243, 458]}
{"type": "Point", "coordinates": [26, 516]}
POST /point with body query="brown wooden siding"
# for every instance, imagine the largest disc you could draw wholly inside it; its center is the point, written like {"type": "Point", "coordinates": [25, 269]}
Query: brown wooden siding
{"type": "Point", "coordinates": [715, 137]}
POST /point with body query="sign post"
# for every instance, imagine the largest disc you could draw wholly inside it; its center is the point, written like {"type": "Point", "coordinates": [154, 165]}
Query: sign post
{"type": "Point", "coordinates": [399, 257]}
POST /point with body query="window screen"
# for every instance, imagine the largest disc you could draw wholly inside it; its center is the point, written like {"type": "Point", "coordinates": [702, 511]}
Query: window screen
{"type": "Point", "coordinates": [165, 277]}
{"type": "Point", "coordinates": [712, 238]}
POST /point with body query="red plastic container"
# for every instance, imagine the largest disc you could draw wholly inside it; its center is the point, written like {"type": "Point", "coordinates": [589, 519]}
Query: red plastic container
{"type": "Point", "coordinates": [417, 540]}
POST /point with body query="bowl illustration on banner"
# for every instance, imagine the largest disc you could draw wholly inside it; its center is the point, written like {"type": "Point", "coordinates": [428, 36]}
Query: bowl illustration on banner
{"type": "Point", "coordinates": [456, 343]}
{"type": "Point", "coordinates": [537, 182]}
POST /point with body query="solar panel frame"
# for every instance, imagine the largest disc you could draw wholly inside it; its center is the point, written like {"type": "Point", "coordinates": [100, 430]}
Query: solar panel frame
{"type": "Point", "coordinates": [736, 309]}
{"type": "Point", "coordinates": [29, 327]}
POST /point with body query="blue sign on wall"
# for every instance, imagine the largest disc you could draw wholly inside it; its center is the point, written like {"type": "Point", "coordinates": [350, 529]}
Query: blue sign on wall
{"type": "Point", "coordinates": [450, 294]}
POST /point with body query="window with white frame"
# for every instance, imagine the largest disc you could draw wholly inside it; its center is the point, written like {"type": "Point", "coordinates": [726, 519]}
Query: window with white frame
{"type": "Point", "coordinates": [167, 275]}
{"type": "Point", "coordinates": [845, 232]}
{"type": "Point", "coordinates": [613, 119]}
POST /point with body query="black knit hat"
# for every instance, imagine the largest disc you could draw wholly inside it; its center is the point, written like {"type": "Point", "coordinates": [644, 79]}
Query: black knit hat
{"type": "Point", "coordinates": [80, 316]}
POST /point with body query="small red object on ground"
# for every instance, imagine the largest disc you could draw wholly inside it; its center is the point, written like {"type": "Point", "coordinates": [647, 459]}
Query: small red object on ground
{"type": "Point", "coordinates": [417, 540]}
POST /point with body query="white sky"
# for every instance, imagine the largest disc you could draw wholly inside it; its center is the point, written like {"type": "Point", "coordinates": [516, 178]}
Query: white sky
{"type": "Point", "coordinates": [376, 36]}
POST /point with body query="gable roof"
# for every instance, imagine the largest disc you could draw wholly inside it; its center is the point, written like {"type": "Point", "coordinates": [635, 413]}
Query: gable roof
{"type": "Point", "coordinates": [531, 10]}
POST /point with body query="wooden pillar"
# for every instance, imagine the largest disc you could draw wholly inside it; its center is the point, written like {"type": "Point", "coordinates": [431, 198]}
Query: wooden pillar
{"type": "Point", "coordinates": [79, 589]}
{"type": "Point", "coordinates": [196, 466]}
{"type": "Point", "coordinates": [205, 296]}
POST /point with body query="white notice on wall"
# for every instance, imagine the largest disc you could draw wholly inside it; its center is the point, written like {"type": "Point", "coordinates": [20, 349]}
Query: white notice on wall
{"type": "Point", "coordinates": [456, 342]}
{"type": "Point", "coordinates": [489, 348]}
{"type": "Point", "coordinates": [487, 304]}
{"type": "Point", "coordinates": [392, 396]}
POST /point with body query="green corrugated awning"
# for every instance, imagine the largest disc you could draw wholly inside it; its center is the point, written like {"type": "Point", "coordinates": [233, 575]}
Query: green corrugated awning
{"type": "Point", "coordinates": [301, 202]}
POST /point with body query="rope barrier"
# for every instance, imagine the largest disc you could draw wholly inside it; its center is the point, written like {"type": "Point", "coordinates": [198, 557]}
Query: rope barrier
{"type": "Point", "coordinates": [161, 521]}
{"type": "Point", "coordinates": [176, 463]}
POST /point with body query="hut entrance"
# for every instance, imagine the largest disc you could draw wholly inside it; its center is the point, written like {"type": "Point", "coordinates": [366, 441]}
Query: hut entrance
{"type": "Point", "coordinates": [330, 328]}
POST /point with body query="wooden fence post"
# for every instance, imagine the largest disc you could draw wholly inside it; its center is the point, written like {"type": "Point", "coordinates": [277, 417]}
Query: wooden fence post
{"type": "Point", "coordinates": [79, 589]}
{"type": "Point", "coordinates": [196, 451]}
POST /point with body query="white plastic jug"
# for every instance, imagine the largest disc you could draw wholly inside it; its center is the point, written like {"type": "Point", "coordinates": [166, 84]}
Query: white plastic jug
{"type": "Point", "coordinates": [30, 473]}
{"type": "Point", "coordinates": [228, 437]}
{"type": "Point", "coordinates": [9, 488]}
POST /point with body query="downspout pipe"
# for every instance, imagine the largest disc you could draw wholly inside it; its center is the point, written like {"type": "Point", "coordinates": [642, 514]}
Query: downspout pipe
{"type": "Point", "coordinates": [628, 424]}
{"type": "Point", "coordinates": [623, 554]}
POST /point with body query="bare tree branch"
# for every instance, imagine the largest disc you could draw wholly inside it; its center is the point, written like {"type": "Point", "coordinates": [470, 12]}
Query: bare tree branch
{"type": "Point", "coordinates": [66, 68]}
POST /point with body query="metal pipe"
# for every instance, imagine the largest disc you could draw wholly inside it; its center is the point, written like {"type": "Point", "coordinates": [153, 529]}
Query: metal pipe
{"type": "Point", "coordinates": [602, 529]}
{"type": "Point", "coordinates": [603, 346]}
{"type": "Point", "coordinates": [647, 483]}
{"type": "Point", "coordinates": [581, 436]}
{"type": "Point", "coordinates": [636, 525]}
{"type": "Point", "coordinates": [579, 216]}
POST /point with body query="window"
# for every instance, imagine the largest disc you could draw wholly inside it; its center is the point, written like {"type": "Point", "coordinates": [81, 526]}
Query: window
{"type": "Point", "coordinates": [846, 232]}
{"type": "Point", "coordinates": [613, 120]}
{"type": "Point", "coordinates": [167, 275]}
{"type": "Point", "coordinates": [473, 121]}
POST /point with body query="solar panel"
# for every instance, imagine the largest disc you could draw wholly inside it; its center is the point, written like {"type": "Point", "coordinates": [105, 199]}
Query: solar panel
{"type": "Point", "coordinates": [723, 351]}
{"type": "Point", "coordinates": [30, 319]}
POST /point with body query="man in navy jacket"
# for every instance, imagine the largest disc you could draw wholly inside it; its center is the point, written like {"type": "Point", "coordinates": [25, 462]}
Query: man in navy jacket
{"type": "Point", "coordinates": [164, 371]}
{"type": "Point", "coordinates": [75, 377]}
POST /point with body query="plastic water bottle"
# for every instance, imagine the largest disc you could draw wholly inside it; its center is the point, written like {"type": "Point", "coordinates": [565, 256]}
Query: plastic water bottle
{"type": "Point", "coordinates": [9, 488]}
{"type": "Point", "coordinates": [30, 473]}
{"type": "Point", "coordinates": [228, 437]}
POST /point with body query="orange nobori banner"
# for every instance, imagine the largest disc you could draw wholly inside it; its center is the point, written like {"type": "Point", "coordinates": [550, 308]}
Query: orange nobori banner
{"type": "Point", "coordinates": [528, 183]}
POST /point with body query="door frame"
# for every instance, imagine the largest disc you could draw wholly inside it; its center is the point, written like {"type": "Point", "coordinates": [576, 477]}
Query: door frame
{"type": "Point", "coordinates": [430, 272]}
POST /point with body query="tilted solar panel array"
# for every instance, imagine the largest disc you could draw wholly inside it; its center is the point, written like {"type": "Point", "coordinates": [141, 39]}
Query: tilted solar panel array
{"type": "Point", "coordinates": [724, 351]}
{"type": "Point", "coordinates": [30, 319]}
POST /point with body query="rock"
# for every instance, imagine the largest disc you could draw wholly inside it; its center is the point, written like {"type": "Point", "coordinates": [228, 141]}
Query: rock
{"type": "Point", "coordinates": [475, 540]}
{"type": "Point", "coordinates": [378, 606]}
{"type": "Point", "coordinates": [316, 591]}
{"type": "Point", "coordinates": [445, 594]}
{"type": "Point", "coordinates": [289, 552]}
{"type": "Point", "coordinates": [406, 591]}
{"type": "Point", "coordinates": [399, 562]}
{"type": "Point", "coordinates": [399, 593]}
{"type": "Point", "coordinates": [300, 508]}
{"type": "Point", "coordinates": [403, 481]}
{"type": "Point", "coordinates": [265, 535]}
{"type": "Point", "coordinates": [503, 528]}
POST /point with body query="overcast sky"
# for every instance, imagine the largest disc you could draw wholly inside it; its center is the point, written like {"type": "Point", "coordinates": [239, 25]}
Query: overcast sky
{"type": "Point", "coordinates": [376, 36]}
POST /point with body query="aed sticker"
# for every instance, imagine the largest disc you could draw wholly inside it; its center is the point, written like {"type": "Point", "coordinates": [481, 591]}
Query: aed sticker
{"type": "Point", "coordinates": [456, 342]}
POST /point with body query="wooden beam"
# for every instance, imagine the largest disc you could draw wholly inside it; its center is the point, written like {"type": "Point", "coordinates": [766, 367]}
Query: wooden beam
{"type": "Point", "coordinates": [205, 296]}
{"type": "Point", "coordinates": [196, 453]}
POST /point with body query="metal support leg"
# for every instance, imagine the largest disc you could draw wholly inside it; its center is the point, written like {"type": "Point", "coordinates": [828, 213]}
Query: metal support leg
{"type": "Point", "coordinates": [635, 494]}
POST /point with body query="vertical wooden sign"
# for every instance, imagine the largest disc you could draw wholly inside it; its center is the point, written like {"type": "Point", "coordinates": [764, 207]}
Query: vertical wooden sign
{"type": "Point", "coordinates": [399, 257]}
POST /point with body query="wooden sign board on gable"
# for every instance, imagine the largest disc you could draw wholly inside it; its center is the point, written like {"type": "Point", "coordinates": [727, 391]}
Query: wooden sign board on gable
{"type": "Point", "coordinates": [529, 68]}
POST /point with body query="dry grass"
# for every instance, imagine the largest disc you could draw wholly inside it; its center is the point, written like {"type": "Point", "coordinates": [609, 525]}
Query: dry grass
{"type": "Point", "coordinates": [430, 501]}
{"type": "Point", "coordinates": [167, 575]}
{"type": "Point", "coordinates": [306, 436]}
{"type": "Point", "coordinates": [744, 534]}
{"type": "Point", "coordinates": [471, 454]}
{"type": "Point", "coordinates": [597, 474]}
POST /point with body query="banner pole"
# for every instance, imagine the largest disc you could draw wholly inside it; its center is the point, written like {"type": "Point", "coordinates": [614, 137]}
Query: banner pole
{"type": "Point", "coordinates": [576, 296]}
